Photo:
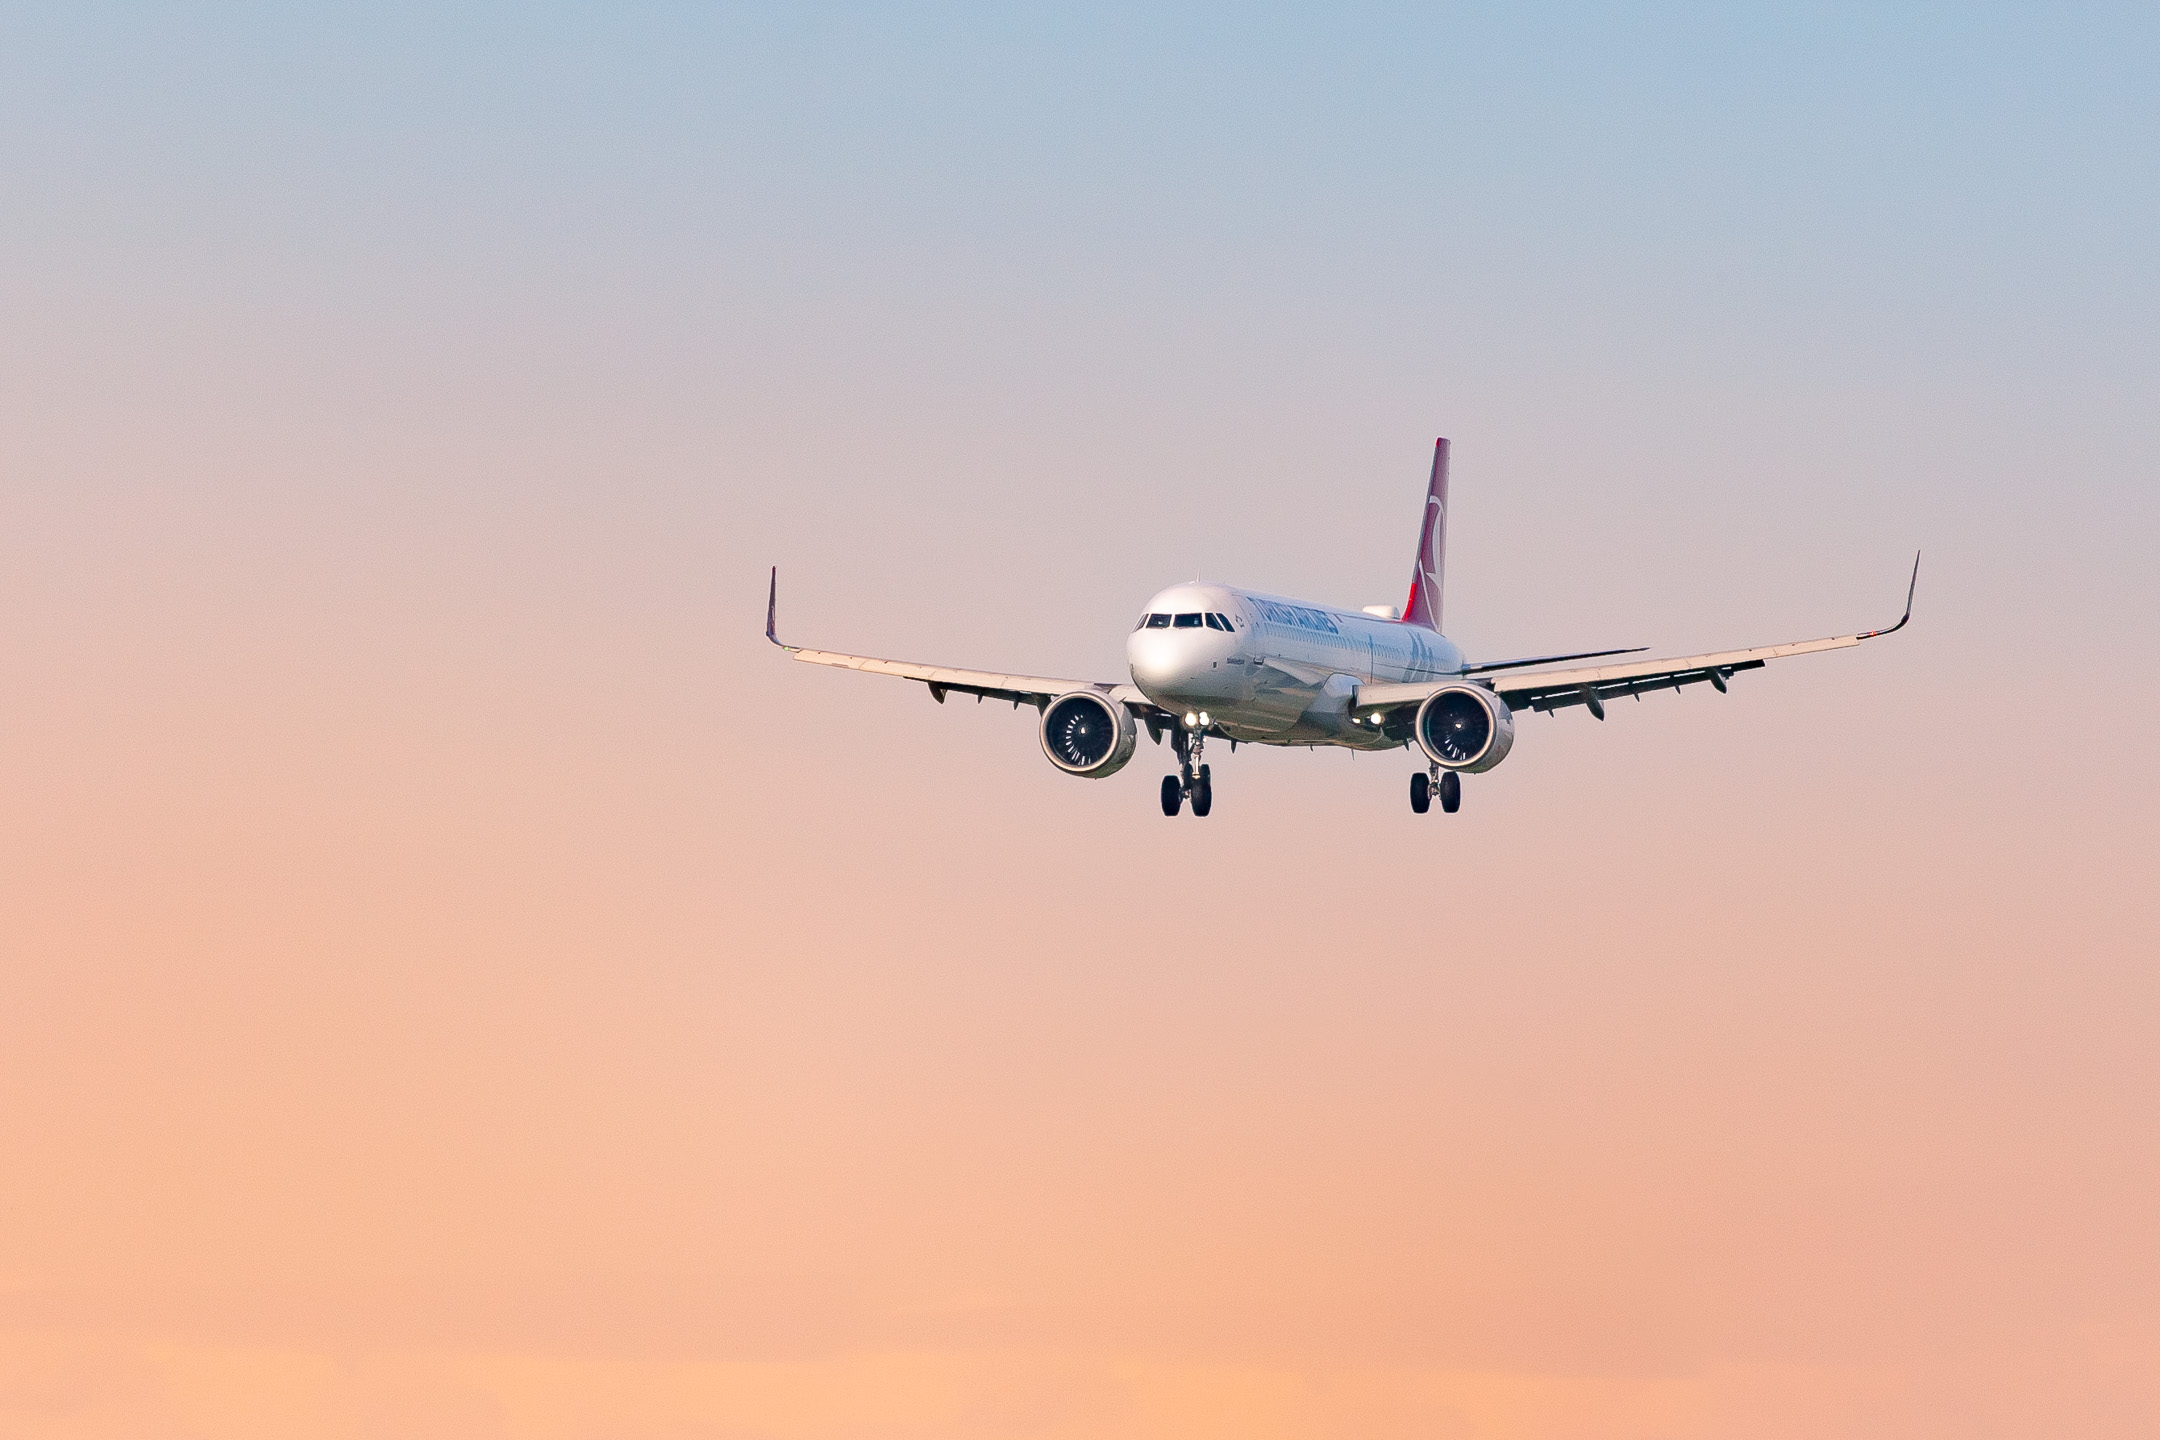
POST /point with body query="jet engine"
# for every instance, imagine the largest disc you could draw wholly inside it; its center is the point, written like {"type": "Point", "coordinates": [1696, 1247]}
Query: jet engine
{"type": "Point", "coordinates": [1088, 733]}
{"type": "Point", "coordinates": [1465, 727]}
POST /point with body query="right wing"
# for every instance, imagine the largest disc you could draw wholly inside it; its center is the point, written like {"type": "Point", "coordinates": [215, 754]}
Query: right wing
{"type": "Point", "coordinates": [1592, 685]}
{"type": "Point", "coordinates": [1036, 690]}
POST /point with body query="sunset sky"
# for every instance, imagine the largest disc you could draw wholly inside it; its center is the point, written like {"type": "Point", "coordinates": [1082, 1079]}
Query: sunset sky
{"type": "Point", "coordinates": [457, 980]}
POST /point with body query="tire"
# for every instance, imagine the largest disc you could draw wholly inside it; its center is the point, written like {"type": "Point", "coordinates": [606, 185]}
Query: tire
{"type": "Point", "coordinates": [1203, 793]}
{"type": "Point", "coordinates": [1173, 795]}
{"type": "Point", "coordinates": [1420, 792]}
{"type": "Point", "coordinates": [1451, 792]}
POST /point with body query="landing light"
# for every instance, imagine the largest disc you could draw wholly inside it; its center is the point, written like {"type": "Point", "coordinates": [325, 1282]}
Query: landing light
{"type": "Point", "coordinates": [1203, 717]}
{"type": "Point", "coordinates": [1191, 719]}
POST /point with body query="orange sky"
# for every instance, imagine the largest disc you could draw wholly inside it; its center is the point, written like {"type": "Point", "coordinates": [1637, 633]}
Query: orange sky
{"type": "Point", "coordinates": [457, 980]}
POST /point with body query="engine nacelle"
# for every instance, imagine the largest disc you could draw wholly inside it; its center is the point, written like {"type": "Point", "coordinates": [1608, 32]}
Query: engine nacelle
{"type": "Point", "coordinates": [1465, 727]}
{"type": "Point", "coordinates": [1088, 733]}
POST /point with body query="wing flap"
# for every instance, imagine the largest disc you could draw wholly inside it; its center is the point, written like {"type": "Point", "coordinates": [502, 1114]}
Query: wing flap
{"type": "Point", "coordinates": [1549, 698]}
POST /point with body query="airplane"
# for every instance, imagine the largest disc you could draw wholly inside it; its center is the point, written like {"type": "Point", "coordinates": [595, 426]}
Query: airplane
{"type": "Point", "coordinates": [1209, 660]}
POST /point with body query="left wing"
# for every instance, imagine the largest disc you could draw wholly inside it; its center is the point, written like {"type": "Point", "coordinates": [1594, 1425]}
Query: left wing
{"type": "Point", "coordinates": [1036, 690]}
{"type": "Point", "coordinates": [1592, 685]}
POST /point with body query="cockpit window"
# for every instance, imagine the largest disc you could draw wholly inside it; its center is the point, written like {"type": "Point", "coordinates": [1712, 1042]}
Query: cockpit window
{"type": "Point", "coordinates": [1158, 622]}
{"type": "Point", "coordinates": [1188, 622]}
{"type": "Point", "coordinates": [1215, 622]}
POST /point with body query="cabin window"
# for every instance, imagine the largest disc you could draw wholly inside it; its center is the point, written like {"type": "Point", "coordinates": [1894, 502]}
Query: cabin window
{"type": "Point", "coordinates": [1189, 622]}
{"type": "Point", "coordinates": [1158, 622]}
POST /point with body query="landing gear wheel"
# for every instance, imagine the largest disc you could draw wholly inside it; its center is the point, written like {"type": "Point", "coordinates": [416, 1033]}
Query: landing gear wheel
{"type": "Point", "coordinates": [1451, 792]}
{"type": "Point", "coordinates": [1173, 795]}
{"type": "Point", "coordinates": [1420, 793]}
{"type": "Point", "coordinates": [1203, 793]}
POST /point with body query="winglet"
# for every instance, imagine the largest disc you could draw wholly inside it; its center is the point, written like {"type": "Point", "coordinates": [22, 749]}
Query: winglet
{"type": "Point", "coordinates": [1909, 590]}
{"type": "Point", "coordinates": [772, 610]}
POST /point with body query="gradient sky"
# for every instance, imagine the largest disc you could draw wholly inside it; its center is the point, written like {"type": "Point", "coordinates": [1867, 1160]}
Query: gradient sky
{"type": "Point", "coordinates": [457, 980]}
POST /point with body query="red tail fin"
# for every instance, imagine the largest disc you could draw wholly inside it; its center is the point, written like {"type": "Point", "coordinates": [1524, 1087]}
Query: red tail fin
{"type": "Point", "coordinates": [1423, 606]}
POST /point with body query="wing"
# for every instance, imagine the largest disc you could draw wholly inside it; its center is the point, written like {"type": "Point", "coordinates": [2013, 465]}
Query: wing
{"type": "Point", "coordinates": [1036, 690]}
{"type": "Point", "coordinates": [1592, 685]}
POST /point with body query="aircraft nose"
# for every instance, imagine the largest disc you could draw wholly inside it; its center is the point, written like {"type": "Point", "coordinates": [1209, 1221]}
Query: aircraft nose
{"type": "Point", "coordinates": [1181, 667]}
{"type": "Point", "coordinates": [1157, 660]}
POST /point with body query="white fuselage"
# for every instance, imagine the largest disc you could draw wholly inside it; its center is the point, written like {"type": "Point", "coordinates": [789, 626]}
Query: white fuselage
{"type": "Point", "coordinates": [1285, 672]}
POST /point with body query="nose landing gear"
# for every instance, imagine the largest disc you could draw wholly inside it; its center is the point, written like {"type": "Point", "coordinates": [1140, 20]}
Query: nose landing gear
{"type": "Point", "coordinates": [1192, 778]}
{"type": "Point", "coordinates": [1448, 783]}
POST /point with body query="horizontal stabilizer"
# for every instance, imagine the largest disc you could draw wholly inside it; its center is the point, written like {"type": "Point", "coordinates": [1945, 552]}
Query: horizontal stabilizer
{"type": "Point", "coordinates": [1550, 659]}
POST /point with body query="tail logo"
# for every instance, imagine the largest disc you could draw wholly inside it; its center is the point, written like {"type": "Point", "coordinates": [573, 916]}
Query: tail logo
{"type": "Point", "coordinates": [1435, 513]}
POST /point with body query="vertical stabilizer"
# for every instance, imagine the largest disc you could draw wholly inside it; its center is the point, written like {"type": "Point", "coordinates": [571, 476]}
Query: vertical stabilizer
{"type": "Point", "coordinates": [1423, 606]}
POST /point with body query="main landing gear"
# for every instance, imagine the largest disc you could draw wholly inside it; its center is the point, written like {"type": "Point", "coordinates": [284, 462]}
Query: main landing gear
{"type": "Point", "coordinates": [1192, 777]}
{"type": "Point", "coordinates": [1448, 783]}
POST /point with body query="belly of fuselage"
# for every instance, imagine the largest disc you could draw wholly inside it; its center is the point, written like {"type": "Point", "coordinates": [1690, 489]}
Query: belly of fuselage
{"type": "Point", "coordinates": [1306, 732]}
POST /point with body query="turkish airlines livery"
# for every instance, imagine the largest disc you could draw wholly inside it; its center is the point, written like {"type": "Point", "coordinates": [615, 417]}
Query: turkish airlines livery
{"type": "Point", "coordinates": [1213, 660]}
